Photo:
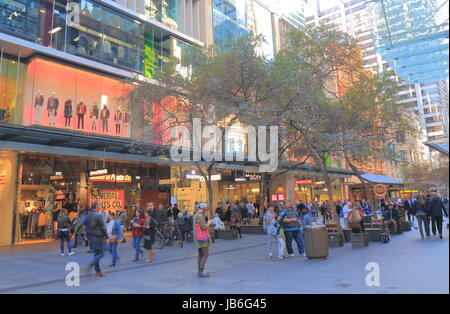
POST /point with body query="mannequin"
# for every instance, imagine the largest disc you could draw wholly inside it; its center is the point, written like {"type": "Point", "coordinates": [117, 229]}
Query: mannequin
{"type": "Point", "coordinates": [126, 123]}
{"type": "Point", "coordinates": [38, 104]}
{"type": "Point", "coordinates": [104, 116]}
{"type": "Point", "coordinates": [68, 112]}
{"type": "Point", "coordinates": [52, 109]}
{"type": "Point", "coordinates": [81, 111]}
{"type": "Point", "coordinates": [118, 121]}
{"type": "Point", "coordinates": [94, 116]}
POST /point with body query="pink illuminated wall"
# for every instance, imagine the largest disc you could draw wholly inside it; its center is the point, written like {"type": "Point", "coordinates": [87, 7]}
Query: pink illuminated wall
{"type": "Point", "coordinates": [49, 78]}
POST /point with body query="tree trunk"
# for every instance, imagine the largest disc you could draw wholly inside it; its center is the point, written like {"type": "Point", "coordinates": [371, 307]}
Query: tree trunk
{"type": "Point", "coordinates": [364, 183]}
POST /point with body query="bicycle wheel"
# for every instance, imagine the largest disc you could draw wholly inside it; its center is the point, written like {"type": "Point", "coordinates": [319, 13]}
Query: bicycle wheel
{"type": "Point", "coordinates": [168, 237]}
{"type": "Point", "coordinates": [159, 240]}
{"type": "Point", "coordinates": [178, 237]}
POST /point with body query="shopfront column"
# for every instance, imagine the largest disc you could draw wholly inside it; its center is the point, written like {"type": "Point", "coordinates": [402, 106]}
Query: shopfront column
{"type": "Point", "coordinates": [290, 188]}
{"type": "Point", "coordinates": [8, 194]}
{"type": "Point", "coordinates": [83, 190]}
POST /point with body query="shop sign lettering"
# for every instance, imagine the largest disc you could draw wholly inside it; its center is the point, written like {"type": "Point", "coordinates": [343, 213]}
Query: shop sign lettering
{"type": "Point", "coordinates": [109, 199]}
{"type": "Point", "coordinates": [112, 178]}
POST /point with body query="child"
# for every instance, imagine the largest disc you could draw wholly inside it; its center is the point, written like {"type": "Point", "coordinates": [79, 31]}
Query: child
{"type": "Point", "coordinates": [281, 244]}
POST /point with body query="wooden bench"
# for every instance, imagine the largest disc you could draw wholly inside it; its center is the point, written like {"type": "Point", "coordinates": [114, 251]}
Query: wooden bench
{"type": "Point", "coordinates": [334, 238]}
{"type": "Point", "coordinates": [226, 234]}
{"type": "Point", "coordinates": [359, 238]}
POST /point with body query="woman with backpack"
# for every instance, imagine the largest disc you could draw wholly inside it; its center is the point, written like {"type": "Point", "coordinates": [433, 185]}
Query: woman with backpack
{"type": "Point", "coordinates": [115, 234]}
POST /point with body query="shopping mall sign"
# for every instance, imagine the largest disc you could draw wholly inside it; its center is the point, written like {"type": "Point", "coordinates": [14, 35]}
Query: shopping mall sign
{"type": "Point", "coordinates": [110, 200]}
{"type": "Point", "coordinates": [380, 190]}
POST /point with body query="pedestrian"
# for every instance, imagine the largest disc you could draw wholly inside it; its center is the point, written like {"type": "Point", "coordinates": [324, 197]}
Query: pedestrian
{"type": "Point", "coordinates": [324, 211]}
{"type": "Point", "coordinates": [98, 235]}
{"type": "Point", "coordinates": [243, 213]}
{"type": "Point", "coordinates": [115, 235]}
{"type": "Point", "coordinates": [149, 235]}
{"type": "Point", "coordinates": [420, 211]}
{"type": "Point", "coordinates": [250, 210]}
{"type": "Point", "coordinates": [64, 232]}
{"type": "Point", "coordinates": [235, 223]}
{"type": "Point", "coordinates": [201, 239]}
{"type": "Point", "coordinates": [308, 218]}
{"type": "Point", "coordinates": [123, 219]}
{"type": "Point", "coordinates": [437, 211]}
{"type": "Point", "coordinates": [219, 211]}
{"type": "Point", "coordinates": [80, 229]}
{"type": "Point", "coordinates": [269, 226]}
{"type": "Point", "coordinates": [137, 230]}
{"type": "Point", "coordinates": [291, 226]}
{"type": "Point", "coordinates": [346, 210]}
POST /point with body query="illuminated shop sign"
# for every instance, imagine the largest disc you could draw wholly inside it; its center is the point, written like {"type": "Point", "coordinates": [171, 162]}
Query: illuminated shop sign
{"type": "Point", "coordinates": [111, 178]}
{"type": "Point", "coordinates": [99, 172]}
{"type": "Point", "coordinates": [215, 177]}
{"type": "Point", "coordinates": [56, 177]}
{"type": "Point", "coordinates": [303, 182]}
{"type": "Point", "coordinates": [110, 200]}
{"type": "Point", "coordinates": [278, 197]}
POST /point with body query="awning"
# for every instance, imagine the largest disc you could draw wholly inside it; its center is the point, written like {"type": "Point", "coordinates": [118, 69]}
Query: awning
{"type": "Point", "coordinates": [379, 179]}
{"type": "Point", "coordinates": [440, 144]}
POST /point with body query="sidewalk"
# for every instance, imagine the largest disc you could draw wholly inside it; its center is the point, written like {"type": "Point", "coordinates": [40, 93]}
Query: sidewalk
{"type": "Point", "coordinates": [407, 265]}
{"type": "Point", "coordinates": [36, 264]}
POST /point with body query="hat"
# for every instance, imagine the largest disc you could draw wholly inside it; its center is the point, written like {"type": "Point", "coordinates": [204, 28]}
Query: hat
{"type": "Point", "coordinates": [203, 206]}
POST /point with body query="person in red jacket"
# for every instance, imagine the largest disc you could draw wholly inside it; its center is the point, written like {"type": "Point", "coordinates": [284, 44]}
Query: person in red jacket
{"type": "Point", "coordinates": [137, 228]}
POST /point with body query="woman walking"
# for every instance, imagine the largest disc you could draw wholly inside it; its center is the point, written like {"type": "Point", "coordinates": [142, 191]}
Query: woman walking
{"type": "Point", "coordinates": [269, 227]}
{"type": "Point", "coordinates": [64, 232]}
{"type": "Point", "coordinates": [420, 211]}
{"type": "Point", "coordinates": [137, 229]}
{"type": "Point", "coordinates": [149, 235]}
{"type": "Point", "coordinates": [115, 234]}
{"type": "Point", "coordinates": [235, 223]}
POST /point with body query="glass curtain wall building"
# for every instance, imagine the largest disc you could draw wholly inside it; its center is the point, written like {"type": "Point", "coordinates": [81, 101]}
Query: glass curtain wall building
{"type": "Point", "coordinates": [229, 21]}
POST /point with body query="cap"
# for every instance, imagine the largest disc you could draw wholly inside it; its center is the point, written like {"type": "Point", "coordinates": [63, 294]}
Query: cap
{"type": "Point", "coordinates": [203, 206]}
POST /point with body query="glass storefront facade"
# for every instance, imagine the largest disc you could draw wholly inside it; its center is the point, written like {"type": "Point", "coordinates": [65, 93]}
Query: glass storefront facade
{"type": "Point", "coordinates": [12, 79]}
{"type": "Point", "coordinates": [80, 27]}
{"type": "Point", "coordinates": [229, 21]}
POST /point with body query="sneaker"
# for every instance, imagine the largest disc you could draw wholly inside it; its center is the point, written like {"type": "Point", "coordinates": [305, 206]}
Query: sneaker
{"type": "Point", "coordinates": [62, 254]}
{"type": "Point", "coordinates": [270, 255]}
{"type": "Point", "coordinates": [302, 255]}
{"type": "Point", "coordinates": [291, 255]}
{"type": "Point", "coordinates": [203, 275]}
{"type": "Point", "coordinates": [71, 253]}
{"type": "Point", "coordinates": [281, 257]}
{"type": "Point", "coordinates": [100, 274]}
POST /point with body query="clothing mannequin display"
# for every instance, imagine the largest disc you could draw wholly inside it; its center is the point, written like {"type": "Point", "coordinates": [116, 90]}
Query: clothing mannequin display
{"type": "Point", "coordinates": [38, 104]}
{"type": "Point", "coordinates": [94, 116]}
{"type": "Point", "coordinates": [81, 111]}
{"type": "Point", "coordinates": [52, 109]}
{"type": "Point", "coordinates": [126, 123]}
{"type": "Point", "coordinates": [68, 112]}
{"type": "Point", "coordinates": [104, 116]}
{"type": "Point", "coordinates": [118, 121]}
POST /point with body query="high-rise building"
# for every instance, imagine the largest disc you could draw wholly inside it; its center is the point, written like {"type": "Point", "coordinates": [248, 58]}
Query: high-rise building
{"type": "Point", "coordinates": [429, 101]}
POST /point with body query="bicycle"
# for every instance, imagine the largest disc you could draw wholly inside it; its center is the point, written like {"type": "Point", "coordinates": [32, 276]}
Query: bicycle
{"type": "Point", "coordinates": [159, 239]}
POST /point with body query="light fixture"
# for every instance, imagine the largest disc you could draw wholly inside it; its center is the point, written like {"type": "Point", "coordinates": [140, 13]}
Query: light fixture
{"type": "Point", "coordinates": [55, 30]}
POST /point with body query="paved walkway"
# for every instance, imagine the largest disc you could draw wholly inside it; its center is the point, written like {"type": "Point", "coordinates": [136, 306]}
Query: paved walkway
{"type": "Point", "coordinates": [407, 265]}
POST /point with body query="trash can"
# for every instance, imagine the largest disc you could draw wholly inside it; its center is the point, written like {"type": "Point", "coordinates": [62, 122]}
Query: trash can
{"type": "Point", "coordinates": [316, 241]}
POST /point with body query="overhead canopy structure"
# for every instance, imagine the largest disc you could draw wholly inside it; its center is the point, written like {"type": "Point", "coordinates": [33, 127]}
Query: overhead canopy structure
{"type": "Point", "coordinates": [380, 179]}
{"type": "Point", "coordinates": [412, 36]}
{"type": "Point", "coordinates": [439, 144]}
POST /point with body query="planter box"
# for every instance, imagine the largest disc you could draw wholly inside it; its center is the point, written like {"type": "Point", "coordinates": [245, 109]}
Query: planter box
{"type": "Point", "coordinates": [226, 235]}
{"type": "Point", "coordinates": [360, 240]}
{"type": "Point", "coordinates": [374, 234]}
{"type": "Point", "coordinates": [252, 229]}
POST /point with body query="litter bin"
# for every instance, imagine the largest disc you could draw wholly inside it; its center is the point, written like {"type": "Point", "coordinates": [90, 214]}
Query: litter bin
{"type": "Point", "coordinates": [316, 241]}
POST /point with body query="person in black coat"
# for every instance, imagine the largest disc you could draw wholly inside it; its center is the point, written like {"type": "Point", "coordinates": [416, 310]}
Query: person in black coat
{"type": "Point", "coordinates": [436, 210]}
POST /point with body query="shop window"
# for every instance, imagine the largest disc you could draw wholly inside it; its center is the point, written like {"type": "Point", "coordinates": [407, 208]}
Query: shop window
{"type": "Point", "coordinates": [60, 96]}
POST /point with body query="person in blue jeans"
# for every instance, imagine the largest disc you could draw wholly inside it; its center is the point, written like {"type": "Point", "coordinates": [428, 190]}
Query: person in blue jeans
{"type": "Point", "coordinates": [97, 234]}
{"type": "Point", "coordinates": [292, 231]}
{"type": "Point", "coordinates": [64, 232]}
{"type": "Point", "coordinates": [137, 229]}
{"type": "Point", "coordinates": [115, 234]}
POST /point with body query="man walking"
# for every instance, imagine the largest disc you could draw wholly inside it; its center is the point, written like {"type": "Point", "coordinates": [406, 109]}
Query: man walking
{"type": "Point", "coordinates": [97, 235]}
{"type": "Point", "coordinates": [201, 239]}
{"type": "Point", "coordinates": [437, 211]}
{"type": "Point", "coordinates": [291, 226]}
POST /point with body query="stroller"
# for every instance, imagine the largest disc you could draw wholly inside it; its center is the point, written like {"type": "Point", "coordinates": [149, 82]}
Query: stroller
{"type": "Point", "coordinates": [385, 234]}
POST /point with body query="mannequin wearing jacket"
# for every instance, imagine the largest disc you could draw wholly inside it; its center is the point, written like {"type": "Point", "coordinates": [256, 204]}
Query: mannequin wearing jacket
{"type": "Point", "coordinates": [118, 121]}
{"type": "Point", "coordinates": [94, 116]}
{"type": "Point", "coordinates": [38, 104]}
{"type": "Point", "coordinates": [104, 116]}
{"type": "Point", "coordinates": [68, 112]}
{"type": "Point", "coordinates": [52, 109]}
{"type": "Point", "coordinates": [81, 111]}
